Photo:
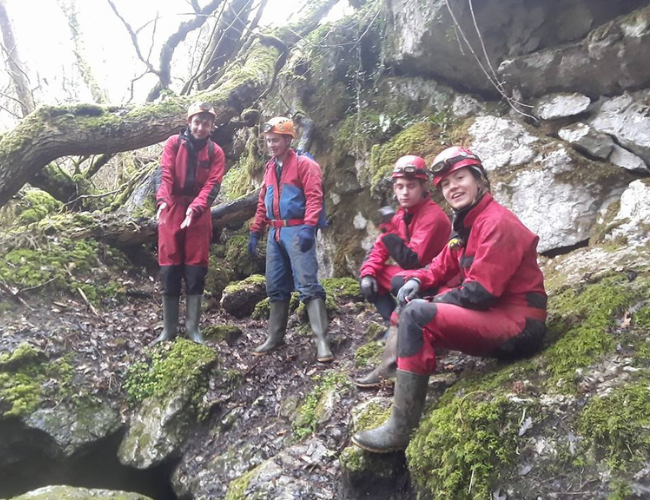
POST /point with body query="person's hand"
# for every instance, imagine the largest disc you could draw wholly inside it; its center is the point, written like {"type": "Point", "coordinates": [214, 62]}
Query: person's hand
{"type": "Point", "coordinates": [408, 292]}
{"type": "Point", "coordinates": [252, 244]}
{"type": "Point", "coordinates": [306, 238]}
{"type": "Point", "coordinates": [161, 207]}
{"type": "Point", "coordinates": [386, 214]}
{"type": "Point", "coordinates": [188, 218]}
{"type": "Point", "coordinates": [369, 288]}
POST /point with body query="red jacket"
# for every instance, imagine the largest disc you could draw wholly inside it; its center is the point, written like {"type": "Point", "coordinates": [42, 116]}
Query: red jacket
{"type": "Point", "coordinates": [497, 265]}
{"type": "Point", "coordinates": [207, 180]}
{"type": "Point", "coordinates": [411, 245]}
{"type": "Point", "coordinates": [297, 198]}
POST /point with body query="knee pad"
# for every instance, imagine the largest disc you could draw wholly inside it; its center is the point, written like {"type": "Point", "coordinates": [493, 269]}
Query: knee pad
{"type": "Point", "coordinates": [170, 277]}
{"type": "Point", "coordinates": [527, 343]}
{"type": "Point", "coordinates": [412, 320]}
{"type": "Point", "coordinates": [195, 279]}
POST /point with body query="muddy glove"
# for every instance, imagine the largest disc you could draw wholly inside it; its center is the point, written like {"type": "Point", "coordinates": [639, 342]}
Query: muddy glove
{"type": "Point", "coordinates": [386, 215]}
{"type": "Point", "coordinates": [252, 244]}
{"type": "Point", "coordinates": [306, 238]}
{"type": "Point", "coordinates": [408, 292]}
{"type": "Point", "coordinates": [369, 288]}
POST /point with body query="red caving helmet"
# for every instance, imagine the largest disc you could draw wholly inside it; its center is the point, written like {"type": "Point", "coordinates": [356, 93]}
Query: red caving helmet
{"type": "Point", "coordinates": [452, 159]}
{"type": "Point", "coordinates": [411, 166]}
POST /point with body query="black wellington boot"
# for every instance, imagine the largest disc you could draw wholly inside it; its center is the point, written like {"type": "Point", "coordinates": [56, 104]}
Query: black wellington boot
{"type": "Point", "coordinates": [408, 404]}
{"type": "Point", "coordinates": [192, 316]}
{"type": "Point", "coordinates": [318, 320]}
{"type": "Point", "coordinates": [278, 317]}
{"type": "Point", "coordinates": [170, 319]}
{"type": "Point", "coordinates": [386, 367]}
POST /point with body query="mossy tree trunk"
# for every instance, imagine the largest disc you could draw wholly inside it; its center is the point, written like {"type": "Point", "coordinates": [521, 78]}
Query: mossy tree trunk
{"type": "Point", "coordinates": [52, 132]}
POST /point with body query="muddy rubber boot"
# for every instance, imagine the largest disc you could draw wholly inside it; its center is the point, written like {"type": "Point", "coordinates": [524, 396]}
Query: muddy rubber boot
{"type": "Point", "coordinates": [278, 317]}
{"type": "Point", "coordinates": [170, 319]}
{"type": "Point", "coordinates": [318, 320]}
{"type": "Point", "coordinates": [408, 403]}
{"type": "Point", "coordinates": [192, 316]}
{"type": "Point", "coordinates": [386, 367]}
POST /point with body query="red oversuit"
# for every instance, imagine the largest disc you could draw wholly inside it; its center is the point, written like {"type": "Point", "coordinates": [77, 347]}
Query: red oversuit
{"type": "Point", "coordinates": [190, 179]}
{"type": "Point", "coordinates": [498, 310]}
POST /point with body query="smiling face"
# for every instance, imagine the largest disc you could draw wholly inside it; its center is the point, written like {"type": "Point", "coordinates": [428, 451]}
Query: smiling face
{"type": "Point", "coordinates": [201, 125]}
{"type": "Point", "coordinates": [408, 192]}
{"type": "Point", "coordinates": [460, 188]}
{"type": "Point", "coordinates": [278, 144]}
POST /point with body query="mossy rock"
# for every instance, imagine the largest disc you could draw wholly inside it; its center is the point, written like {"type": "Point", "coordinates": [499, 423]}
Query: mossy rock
{"type": "Point", "coordinates": [342, 289]}
{"type": "Point", "coordinates": [240, 298]}
{"type": "Point", "coordinates": [262, 309]}
{"type": "Point", "coordinates": [368, 354]}
{"type": "Point", "coordinates": [330, 305]}
{"type": "Point", "coordinates": [74, 493]}
{"type": "Point", "coordinates": [169, 366]}
{"type": "Point", "coordinates": [23, 377]}
{"type": "Point", "coordinates": [37, 204]}
{"type": "Point", "coordinates": [226, 333]}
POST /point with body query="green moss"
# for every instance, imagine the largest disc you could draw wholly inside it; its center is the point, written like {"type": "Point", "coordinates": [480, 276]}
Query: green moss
{"type": "Point", "coordinates": [253, 280]}
{"type": "Point", "coordinates": [354, 460]}
{"type": "Point", "coordinates": [617, 425]}
{"type": "Point", "coordinates": [580, 319]}
{"type": "Point", "coordinates": [373, 415]}
{"type": "Point", "coordinates": [368, 354]}
{"type": "Point", "coordinates": [468, 441]}
{"type": "Point", "coordinates": [37, 204]}
{"type": "Point", "coordinates": [22, 375]}
{"type": "Point", "coordinates": [642, 317]}
{"type": "Point", "coordinates": [342, 289]}
{"type": "Point", "coordinates": [222, 332]}
{"type": "Point", "coordinates": [237, 487]}
{"type": "Point", "coordinates": [307, 421]}
{"type": "Point", "coordinates": [373, 329]}
{"type": "Point", "coordinates": [167, 368]}
{"type": "Point", "coordinates": [236, 183]}
{"type": "Point", "coordinates": [262, 309]}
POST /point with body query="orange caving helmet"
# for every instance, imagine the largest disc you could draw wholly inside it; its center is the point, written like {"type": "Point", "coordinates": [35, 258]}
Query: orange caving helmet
{"type": "Point", "coordinates": [452, 159]}
{"type": "Point", "coordinates": [279, 125]}
{"type": "Point", "coordinates": [412, 167]}
{"type": "Point", "coordinates": [201, 107]}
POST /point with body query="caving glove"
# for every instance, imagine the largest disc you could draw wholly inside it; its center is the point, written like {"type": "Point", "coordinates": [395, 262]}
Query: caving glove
{"type": "Point", "coordinates": [252, 244]}
{"type": "Point", "coordinates": [369, 288]}
{"type": "Point", "coordinates": [408, 292]}
{"type": "Point", "coordinates": [306, 238]}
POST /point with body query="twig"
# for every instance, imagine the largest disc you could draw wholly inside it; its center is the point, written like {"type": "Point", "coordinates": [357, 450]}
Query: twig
{"type": "Point", "coordinates": [83, 196]}
{"type": "Point", "coordinates": [90, 306]}
{"type": "Point", "coordinates": [6, 288]}
{"type": "Point", "coordinates": [38, 286]}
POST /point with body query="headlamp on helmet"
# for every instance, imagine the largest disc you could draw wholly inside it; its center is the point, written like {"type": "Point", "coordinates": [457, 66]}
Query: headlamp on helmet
{"type": "Point", "coordinates": [201, 107]}
{"type": "Point", "coordinates": [452, 159]}
{"type": "Point", "coordinates": [279, 125]}
{"type": "Point", "coordinates": [411, 166]}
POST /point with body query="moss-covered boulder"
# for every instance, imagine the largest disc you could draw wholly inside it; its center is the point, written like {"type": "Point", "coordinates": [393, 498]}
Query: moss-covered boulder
{"type": "Point", "coordinates": [170, 383]}
{"type": "Point", "coordinates": [36, 204]}
{"type": "Point", "coordinates": [223, 333]}
{"type": "Point", "coordinates": [73, 493]}
{"type": "Point", "coordinates": [239, 298]}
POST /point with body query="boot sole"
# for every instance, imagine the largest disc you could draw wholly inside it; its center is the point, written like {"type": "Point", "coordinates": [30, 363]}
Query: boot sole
{"type": "Point", "coordinates": [325, 360]}
{"type": "Point", "coordinates": [382, 451]}
{"type": "Point", "coordinates": [366, 385]}
{"type": "Point", "coordinates": [255, 353]}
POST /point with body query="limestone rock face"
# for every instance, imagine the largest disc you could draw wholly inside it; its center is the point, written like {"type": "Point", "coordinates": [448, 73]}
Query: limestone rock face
{"type": "Point", "coordinates": [556, 193]}
{"type": "Point", "coordinates": [72, 493]}
{"type": "Point", "coordinates": [561, 105]}
{"type": "Point", "coordinates": [72, 429]}
{"type": "Point", "coordinates": [621, 157]}
{"type": "Point", "coordinates": [632, 222]}
{"type": "Point", "coordinates": [508, 28]}
{"type": "Point", "coordinates": [587, 140]}
{"type": "Point", "coordinates": [626, 118]}
{"type": "Point", "coordinates": [157, 429]}
{"type": "Point", "coordinates": [611, 59]}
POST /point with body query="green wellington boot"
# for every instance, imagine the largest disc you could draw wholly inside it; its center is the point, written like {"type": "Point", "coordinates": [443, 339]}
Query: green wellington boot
{"type": "Point", "coordinates": [386, 367]}
{"type": "Point", "coordinates": [278, 317]}
{"type": "Point", "coordinates": [192, 316]}
{"type": "Point", "coordinates": [170, 319]}
{"type": "Point", "coordinates": [408, 403]}
{"type": "Point", "coordinates": [318, 320]}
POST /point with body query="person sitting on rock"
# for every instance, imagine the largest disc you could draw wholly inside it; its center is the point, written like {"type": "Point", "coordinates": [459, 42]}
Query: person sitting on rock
{"type": "Point", "coordinates": [411, 238]}
{"type": "Point", "coordinates": [291, 203]}
{"type": "Point", "coordinates": [498, 310]}
{"type": "Point", "coordinates": [192, 169]}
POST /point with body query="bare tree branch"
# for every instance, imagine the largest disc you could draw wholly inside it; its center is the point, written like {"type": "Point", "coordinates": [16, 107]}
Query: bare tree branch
{"type": "Point", "coordinates": [18, 74]}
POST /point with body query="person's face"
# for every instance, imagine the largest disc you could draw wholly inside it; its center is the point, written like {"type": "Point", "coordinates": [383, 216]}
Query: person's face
{"type": "Point", "coordinates": [277, 144]}
{"type": "Point", "coordinates": [460, 188]}
{"type": "Point", "coordinates": [200, 125]}
{"type": "Point", "coordinates": [408, 192]}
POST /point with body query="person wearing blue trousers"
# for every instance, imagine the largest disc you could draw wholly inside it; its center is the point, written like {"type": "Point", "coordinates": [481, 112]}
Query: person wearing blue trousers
{"type": "Point", "coordinates": [291, 204]}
